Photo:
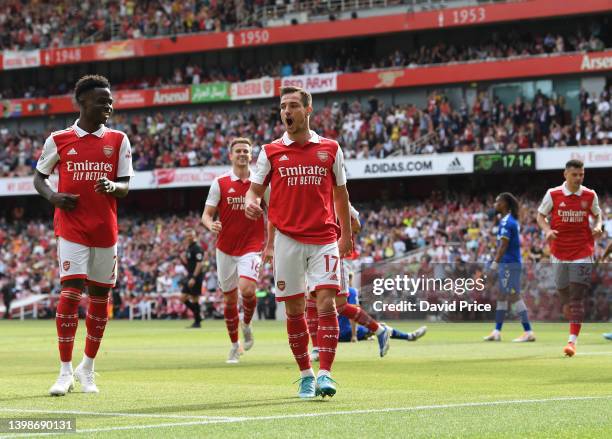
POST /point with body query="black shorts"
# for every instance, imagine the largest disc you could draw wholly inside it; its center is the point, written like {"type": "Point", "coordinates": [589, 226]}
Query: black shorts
{"type": "Point", "coordinates": [196, 290]}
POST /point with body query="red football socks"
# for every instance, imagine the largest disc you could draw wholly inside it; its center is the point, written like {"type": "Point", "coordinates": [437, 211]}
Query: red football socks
{"type": "Point", "coordinates": [67, 321]}
{"type": "Point", "coordinates": [298, 339]}
{"type": "Point", "coordinates": [327, 335]}
{"type": "Point", "coordinates": [97, 316]}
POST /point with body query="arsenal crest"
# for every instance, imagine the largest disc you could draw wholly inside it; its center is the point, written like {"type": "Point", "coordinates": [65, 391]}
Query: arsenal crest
{"type": "Point", "coordinates": [584, 204]}
{"type": "Point", "coordinates": [108, 150]}
{"type": "Point", "coordinates": [280, 285]}
{"type": "Point", "coordinates": [66, 265]}
{"type": "Point", "coordinates": [322, 155]}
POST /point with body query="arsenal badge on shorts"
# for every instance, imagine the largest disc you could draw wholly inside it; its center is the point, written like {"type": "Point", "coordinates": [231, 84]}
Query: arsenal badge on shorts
{"type": "Point", "coordinates": [280, 285]}
{"type": "Point", "coordinates": [66, 265]}
{"type": "Point", "coordinates": [322, 155]}
{"type": "Point", "coordinates": [108, 150]}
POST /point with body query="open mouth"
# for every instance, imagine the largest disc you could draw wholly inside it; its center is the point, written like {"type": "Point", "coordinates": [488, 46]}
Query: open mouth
{"type": "Point", "coordinates": [289, 121]}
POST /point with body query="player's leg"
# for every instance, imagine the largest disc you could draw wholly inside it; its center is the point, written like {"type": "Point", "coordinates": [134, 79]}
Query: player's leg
{"type": "Point", "coordinates": [248, 272]}
{"type": "Point", "coordinates": [312, 320]}
{"type": "Point", "coordinates": [102, 275]}
{"type": "Point", "coordinates": [501, 307]}
{"type": "Point", "coordinates": [578, 276]}
{"type": "Point", "coordinates": [289, 275]}
{"type": "Point", "coordinates": [227, 271]}
{"type": "Point", "coordinates": [409, 336]}
{"type": "Point", "coordinates": [521, 309]}
{"type": "Point", "coordinates": [356, 313]}
{"type": "Point", "coordinates": [73, 260]}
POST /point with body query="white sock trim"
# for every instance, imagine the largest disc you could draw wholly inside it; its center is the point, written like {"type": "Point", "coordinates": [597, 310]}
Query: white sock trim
{"type": "Point", "coordinates": [65, 367]}
{"type": "Point", "coordinates": [323, 372]}
{"type": "Point", "coordinates": [307, 373]}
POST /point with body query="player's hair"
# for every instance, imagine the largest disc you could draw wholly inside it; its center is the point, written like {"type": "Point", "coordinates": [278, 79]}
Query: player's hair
{"type": "Point", "coordinates": [512, 202]}
{"type": "Point", "coordinates": [89, 82]}
{"type": "Point", "coordinates": [575, 163]}
{"type": "Point", "coordinates": [238, 140]}
{"type": "Point", "coordinates": [306, 96]}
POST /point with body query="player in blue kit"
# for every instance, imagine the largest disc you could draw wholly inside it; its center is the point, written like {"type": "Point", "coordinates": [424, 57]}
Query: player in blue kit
{"type": "Point", "coordinates": [507, 262]}
{"type": "Point", "coordinates": [351, 331]}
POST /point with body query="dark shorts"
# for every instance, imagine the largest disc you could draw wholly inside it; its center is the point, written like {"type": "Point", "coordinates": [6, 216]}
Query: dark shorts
{"type": "Point", "coordinates": [510, 278]}
{"type": "Point", "coordinates": [196, 290]}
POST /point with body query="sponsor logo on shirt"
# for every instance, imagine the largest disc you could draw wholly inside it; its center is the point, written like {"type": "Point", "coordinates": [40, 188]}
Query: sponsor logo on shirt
{"type": "Point", "coordinates": [283, 158]}
{"type": "Point", "coordinates": [572, 216]}
{"type": "Point", "coordinates": [236, 203]}
{"type": "Point", "coordinates": [562, 204]}
{"type": "Point", "coordinates": [72, 152]}
{"type": "Point", "coordinates": [303, 175]}
{"type": "Point", "coordinates": [88, 170]}
{"type": "Point", "coordinates": [231, 190]}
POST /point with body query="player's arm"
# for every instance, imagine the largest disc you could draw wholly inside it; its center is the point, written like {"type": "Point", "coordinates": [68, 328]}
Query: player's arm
{"type": "Point", "coordinates": [607, 252]}
{"type": "Point", "coordinates": [355, 224]}
{"type": "Point", "coordinates": [268, 252]}
{"type": "Point", "coordinates": [121, 186]}
{"type": "Point", "coordinates": [596, 211]}
{"type": "Point", "coordinates": [208, 219]}
{"type": "Point", "coordinates": [118, 188]}
{"type": "Point", "coordinates": [60, 200]}
{"type": "Point", "coordinates": [259, 183]}
{"type": "Point", "coordinates": [543, 211]}
{"type": "Point", "coordinates": [341, 204]}
{"type": "Point", "coordinates": [252, 201]}
{"type": "Point", "coordinates": [44, 167]}
{"type": "Point", "coordinates": [501, 249]}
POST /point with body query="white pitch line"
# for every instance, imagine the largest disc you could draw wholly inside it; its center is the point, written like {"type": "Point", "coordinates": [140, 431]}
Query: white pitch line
{"type": "Point", "coordinates": [112, 414]}
{"type": "Point", "coordinates": [343, 413]}
{"type": "Point", "coordinates": [594, 353]}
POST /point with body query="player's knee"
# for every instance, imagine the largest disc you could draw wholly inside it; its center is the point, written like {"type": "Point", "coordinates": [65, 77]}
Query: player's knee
{"type": "Point", "coordinates": [502, 305]}
{"type": "Point", "coordinates": [77, 284]}
{"type": "Point", "coordinates": [520, 306]}
{"type": "Point", "coordinates": [230, 298]}
{"type": "Point", "coordinates": [326, 304]}
{"type": "Point", "coordinates": [248, 290]}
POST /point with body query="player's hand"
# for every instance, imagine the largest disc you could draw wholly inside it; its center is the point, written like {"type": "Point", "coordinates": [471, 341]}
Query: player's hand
{"type": "Point", "coordinates": [253, 211]}
{"type": "Point", "coordinates": [494, 266]}
{"type": "Point", "coordinates": [551, 234]}
{"type": "Point", "coordinates": [268, 254]}
{"type": "Point", "coordinates": [64, 201]}
{"type": "Point", "coordinates": [345, 246]}
{"type": "Point", "coordinates": [105, 186]}
{"type": "Point", "coordinates": [597, 232]}
{"type": "Point", "coordinates": [215, 227]}
{"type": "Point", "coordinates": [191, 283]}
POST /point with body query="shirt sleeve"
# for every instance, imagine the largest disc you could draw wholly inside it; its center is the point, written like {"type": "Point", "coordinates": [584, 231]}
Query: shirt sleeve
{"type": "Point", "coordinates": [595, 209]}
{"type": "Point", "coordinates": [263, 167]}
{"type": "Point", "coordinates": [546, 205]}
{"type": "Point", "coordinates": [505, 229]}
{"type": "Point", "coordinates": [214, 194]}
{"type": "Point", "coordinates": [338, 168]}
{"type": "Point", "coordinates": [353, 212]}
{"type": "Point", "coordinates": [125, 159]}
{"type": "Point", "coordinates": [49, 157]}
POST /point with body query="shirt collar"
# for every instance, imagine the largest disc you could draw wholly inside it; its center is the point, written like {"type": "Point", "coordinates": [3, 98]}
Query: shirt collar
{"type": "Point", "coordinates": [82, 133]}
{"type": "Point", "coordinates": [314, 138]}
{"type": "Point", "coordinates": [567, 192]}
{"type": "Point", "coordinates": [234, 177]}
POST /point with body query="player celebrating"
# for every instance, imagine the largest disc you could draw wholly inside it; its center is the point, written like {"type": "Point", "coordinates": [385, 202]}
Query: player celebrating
{"type": "Point", "coordinates": [572, 242]}
{"type": "Point", "coordinates": [239, 245]}
{"type": "Point", "coordinates": [508, 260]}
{"type": "Point", "coordinates": [95, 166]}
{"type": "Point", "coordinates": [347, 310]}
{"type": "Point", "coordinates": [192, 260]}
{"type": "Point", "coordinates": [309, 193]}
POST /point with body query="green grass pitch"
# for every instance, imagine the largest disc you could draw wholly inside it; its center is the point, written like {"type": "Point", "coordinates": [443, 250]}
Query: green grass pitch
{"type": "Point", "coordinates": [158, 379]}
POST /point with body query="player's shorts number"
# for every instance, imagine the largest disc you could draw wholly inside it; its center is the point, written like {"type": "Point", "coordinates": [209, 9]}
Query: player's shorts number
{"type": "Point", "coordinates": [329, 260]}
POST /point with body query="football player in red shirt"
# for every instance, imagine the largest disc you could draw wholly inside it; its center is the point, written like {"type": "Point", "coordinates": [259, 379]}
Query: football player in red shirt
{"type": "Point", "coordinates": [572, 242]}
{"type": "Point", "coordinates": [94, 164]}
{"type": "Point", "coordinates": [306, 172]}
{"type": "Point", "coordinates": [239, 244]}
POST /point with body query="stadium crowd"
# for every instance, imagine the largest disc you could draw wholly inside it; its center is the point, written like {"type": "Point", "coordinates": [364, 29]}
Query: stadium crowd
{"type": "Point", "coordinates": [448, 229]}
{"type": "Point", "coordinates": [373, 130]}
{"type": "Point", "coordinates": [355, 57]}
{"type": "Point", "coordinates": [35, 24]}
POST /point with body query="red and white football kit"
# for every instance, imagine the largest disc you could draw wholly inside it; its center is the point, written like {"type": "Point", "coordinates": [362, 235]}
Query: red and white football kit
{"type": "Point", "coordinates": [302, 211]}
{"type": "Point", "coordinates": [572, 250]}
{"type": "Point", "coordinates": [87, 235]}
{"type": "Point", "coordinates": [241, 240]}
